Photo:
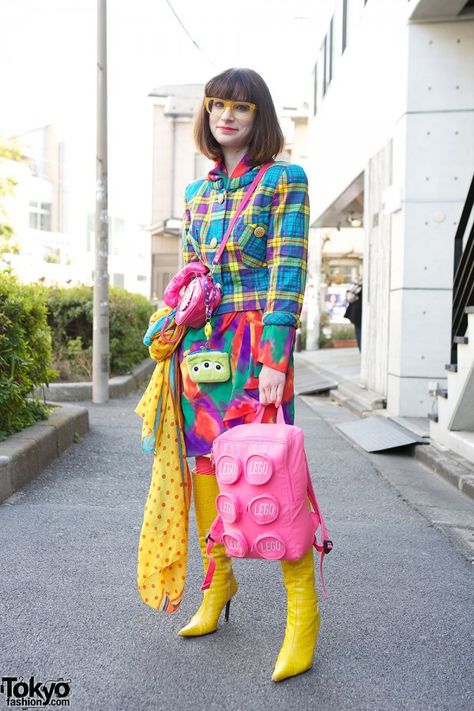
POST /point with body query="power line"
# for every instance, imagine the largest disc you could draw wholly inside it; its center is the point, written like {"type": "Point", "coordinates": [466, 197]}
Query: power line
{"type": "Point", "coordinates": [168, 2]}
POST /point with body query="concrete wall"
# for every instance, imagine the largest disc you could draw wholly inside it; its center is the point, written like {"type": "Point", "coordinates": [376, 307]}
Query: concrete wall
{"type": "Point", "coordinates": [433, 159]}
{"type": "Point", "coordinates": [400, 107]}
{"type": "Point", "coordinates": [377, 328]}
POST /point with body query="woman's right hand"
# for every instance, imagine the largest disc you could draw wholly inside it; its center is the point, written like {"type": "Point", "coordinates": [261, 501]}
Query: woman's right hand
{"type": "Point", "coordinates": [271, 383]}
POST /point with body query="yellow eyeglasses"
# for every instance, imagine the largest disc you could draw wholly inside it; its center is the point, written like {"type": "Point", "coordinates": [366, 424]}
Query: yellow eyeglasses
{"type": "Point", "coordinates": [238, 109]}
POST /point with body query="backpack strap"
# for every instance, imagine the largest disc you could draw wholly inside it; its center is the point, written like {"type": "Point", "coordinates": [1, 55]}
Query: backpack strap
{"type": "Point", "coordinates": [280, 418]}
{"type": "Point", "coordinates": [326, 544]}
{"type": "Point", "coordinates": [214, 536]}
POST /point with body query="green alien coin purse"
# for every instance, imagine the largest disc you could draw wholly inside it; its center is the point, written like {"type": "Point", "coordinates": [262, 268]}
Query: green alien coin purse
{"type": "Point", "coordinates": [208, 366]}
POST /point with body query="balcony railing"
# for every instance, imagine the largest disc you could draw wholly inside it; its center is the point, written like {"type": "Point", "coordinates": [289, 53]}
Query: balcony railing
{"type": "Point", "coordinates": [463, 286]}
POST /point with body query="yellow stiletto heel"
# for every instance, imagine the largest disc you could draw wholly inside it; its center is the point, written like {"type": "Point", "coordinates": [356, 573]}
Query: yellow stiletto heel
{"type": "Point", "coordinates": [224, 585]}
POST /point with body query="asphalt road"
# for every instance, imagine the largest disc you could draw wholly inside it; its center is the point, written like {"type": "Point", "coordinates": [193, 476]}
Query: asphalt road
{"type": "Point", "coordinates": [397, 631]}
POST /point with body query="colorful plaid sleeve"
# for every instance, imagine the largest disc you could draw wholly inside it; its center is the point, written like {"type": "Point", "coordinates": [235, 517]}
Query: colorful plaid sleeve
{"type": "Point", "coordinates": [188, 252]}
{"type": "Point", "coordinates": [287, 250]}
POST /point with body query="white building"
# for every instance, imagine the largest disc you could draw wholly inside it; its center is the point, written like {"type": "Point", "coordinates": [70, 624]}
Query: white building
{"type": "Point", "coordinates": [52, 213]}
{"type": "Point", "coordinates": [392, 141]}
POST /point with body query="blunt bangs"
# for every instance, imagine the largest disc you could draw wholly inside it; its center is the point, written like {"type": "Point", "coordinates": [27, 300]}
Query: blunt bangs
{"type": "Point", "coordinates": [233, 84]}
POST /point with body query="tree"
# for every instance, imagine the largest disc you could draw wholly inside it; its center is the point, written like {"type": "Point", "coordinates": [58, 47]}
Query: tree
{"type": "Point", "coordinates": [9, 151]}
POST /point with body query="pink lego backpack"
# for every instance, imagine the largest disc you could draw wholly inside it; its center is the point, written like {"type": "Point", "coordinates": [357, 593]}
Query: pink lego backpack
{"type": "Point", "coordinates": [264, 487]}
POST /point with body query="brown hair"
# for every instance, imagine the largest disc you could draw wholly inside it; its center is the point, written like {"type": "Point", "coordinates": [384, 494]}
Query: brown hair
{"type": "Point", "coordinates": [266, 140]}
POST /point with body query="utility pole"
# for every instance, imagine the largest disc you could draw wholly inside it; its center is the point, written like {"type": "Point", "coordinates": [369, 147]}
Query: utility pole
{"type": "Point", "coordinates": [100, 339]}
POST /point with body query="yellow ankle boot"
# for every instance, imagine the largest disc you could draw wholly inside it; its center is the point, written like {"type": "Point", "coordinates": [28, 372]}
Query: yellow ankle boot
{"type": "Point", "coordinates": [302, 623]}
{"type": "Point", "coordinates": [224, 585]}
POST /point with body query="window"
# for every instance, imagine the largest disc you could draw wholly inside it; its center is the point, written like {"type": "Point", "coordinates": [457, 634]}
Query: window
{"type": "Point", "coordinates": [325, 69]}
{"type": "Point", "coordinates": [52, 255]}
{"type": "Point", "coordinates": [327, 50]}
{"type": "Point", "coordinates": [315, 95]}
{"type": "Point", "coordinates": [330, 49]}
{"type": "Point", "coordinates": [344, 25]}
{"type": "Point", "coordinates": [40, 216]}
{"type": "Point", "coordinates": [164, 265]}
{"type": "Point", "coordinates": [118, 225]}
{"type": "Point", "coordinates": [344, 273]}
{"type": "Point", "coordinates": [118, 280]}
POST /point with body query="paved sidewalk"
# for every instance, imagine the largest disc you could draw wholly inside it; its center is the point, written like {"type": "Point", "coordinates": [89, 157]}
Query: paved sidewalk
{"type": "Point", "coordinates": [396, 632]}
{"type": "Point", "coordinates": [343, 366]}
{"type": "Point", "coordinates": [341, 363]}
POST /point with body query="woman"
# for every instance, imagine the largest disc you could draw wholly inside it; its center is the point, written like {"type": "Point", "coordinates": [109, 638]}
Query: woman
{"type": "Point", "coordinates": [262, 273]}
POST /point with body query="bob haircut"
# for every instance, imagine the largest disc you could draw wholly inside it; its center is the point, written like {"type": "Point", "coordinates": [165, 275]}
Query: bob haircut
{"type": "Point", "coordinates": [266, 140]}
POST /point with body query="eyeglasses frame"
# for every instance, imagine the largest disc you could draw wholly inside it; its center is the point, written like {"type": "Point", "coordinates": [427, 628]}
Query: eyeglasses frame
{"type": "Point", "coordinates": [228, 103]}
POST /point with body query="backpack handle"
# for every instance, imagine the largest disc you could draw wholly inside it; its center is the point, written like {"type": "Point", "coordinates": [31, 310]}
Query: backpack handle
{"type": "Point", "coordinates": [260, 412]}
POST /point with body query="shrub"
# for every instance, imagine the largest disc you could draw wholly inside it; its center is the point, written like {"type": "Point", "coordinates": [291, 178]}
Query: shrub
{"type": "Point", "coordinates": [25, 354]}
{"type": "Point", "coordinates": [343, 332]}
{"type": "Point", "coordinates": [70, 316]}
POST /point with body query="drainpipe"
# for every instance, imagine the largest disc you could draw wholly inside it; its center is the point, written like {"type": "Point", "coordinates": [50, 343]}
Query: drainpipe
{"type": "Point", "coordinates": [317, 242]}
{"type": "Point", "coordinates": [173, 164]}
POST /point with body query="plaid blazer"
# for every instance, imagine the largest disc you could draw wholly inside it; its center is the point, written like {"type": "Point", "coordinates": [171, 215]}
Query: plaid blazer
{"type": "Point", "coordinates": [263, 266]}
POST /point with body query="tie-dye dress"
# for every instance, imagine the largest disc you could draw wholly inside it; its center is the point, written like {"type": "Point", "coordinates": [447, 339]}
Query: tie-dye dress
{"type": "Point", "coordinates": [208, 408]}
{"type": "Point", "coordinates": [252, 332]}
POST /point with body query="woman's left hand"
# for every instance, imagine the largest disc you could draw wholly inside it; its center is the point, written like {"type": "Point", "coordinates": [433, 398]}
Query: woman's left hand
{"type": "Point", "coordinates": [271, 383]}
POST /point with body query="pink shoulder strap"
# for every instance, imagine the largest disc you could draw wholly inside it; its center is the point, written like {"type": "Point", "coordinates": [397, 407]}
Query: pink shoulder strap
{"type": "Point", "coordinates": [326, 544]}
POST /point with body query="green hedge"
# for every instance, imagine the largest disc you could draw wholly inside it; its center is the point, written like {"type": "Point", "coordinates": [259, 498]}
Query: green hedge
{"type": "Point", "coordinates": [70, 316]}
{"type": "Point", "coordinates": [25, 354]}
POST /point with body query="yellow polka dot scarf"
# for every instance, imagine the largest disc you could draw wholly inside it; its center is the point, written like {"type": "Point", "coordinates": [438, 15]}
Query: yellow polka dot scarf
{"type": "Point", "coordinates": [163, 545]}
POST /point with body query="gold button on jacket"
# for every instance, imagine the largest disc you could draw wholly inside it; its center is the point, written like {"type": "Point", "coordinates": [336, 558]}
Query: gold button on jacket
{"type": "Point", "coordinates": [259, 232]}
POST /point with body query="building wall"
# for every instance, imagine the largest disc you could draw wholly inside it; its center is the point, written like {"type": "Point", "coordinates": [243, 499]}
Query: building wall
{"type": "Point", "coordinates": [400, 108]}
{"type": "Point", "coordinates": [363, 101]}
{"type": "Point", "coordinates": [167, 199]}
{"type": "Point", "coordinates": [433, 159]}
{"type": "Point", "coordinates": [189, 165]}
{"type": "Point", "coordinates": [165, 261]}
{"type": "Point", "coordinates": [53, 164]}
{"type": "Point", "coordinates": [376, 321]}
{"type": "Point", "coordinates": [161, 170]}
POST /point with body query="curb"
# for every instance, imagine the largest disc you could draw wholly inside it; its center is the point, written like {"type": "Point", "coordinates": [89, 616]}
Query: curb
{"type": "Point", "coordinates": [119, 386]}
{"type": "Point", "coordinates": [356, 400]}
{"type": "Point", "coordinates": [25, 454]}
{"type": "Point", "coordinates": [447, 464]}
{"type": "Point", "coordinates": [347, 393]}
